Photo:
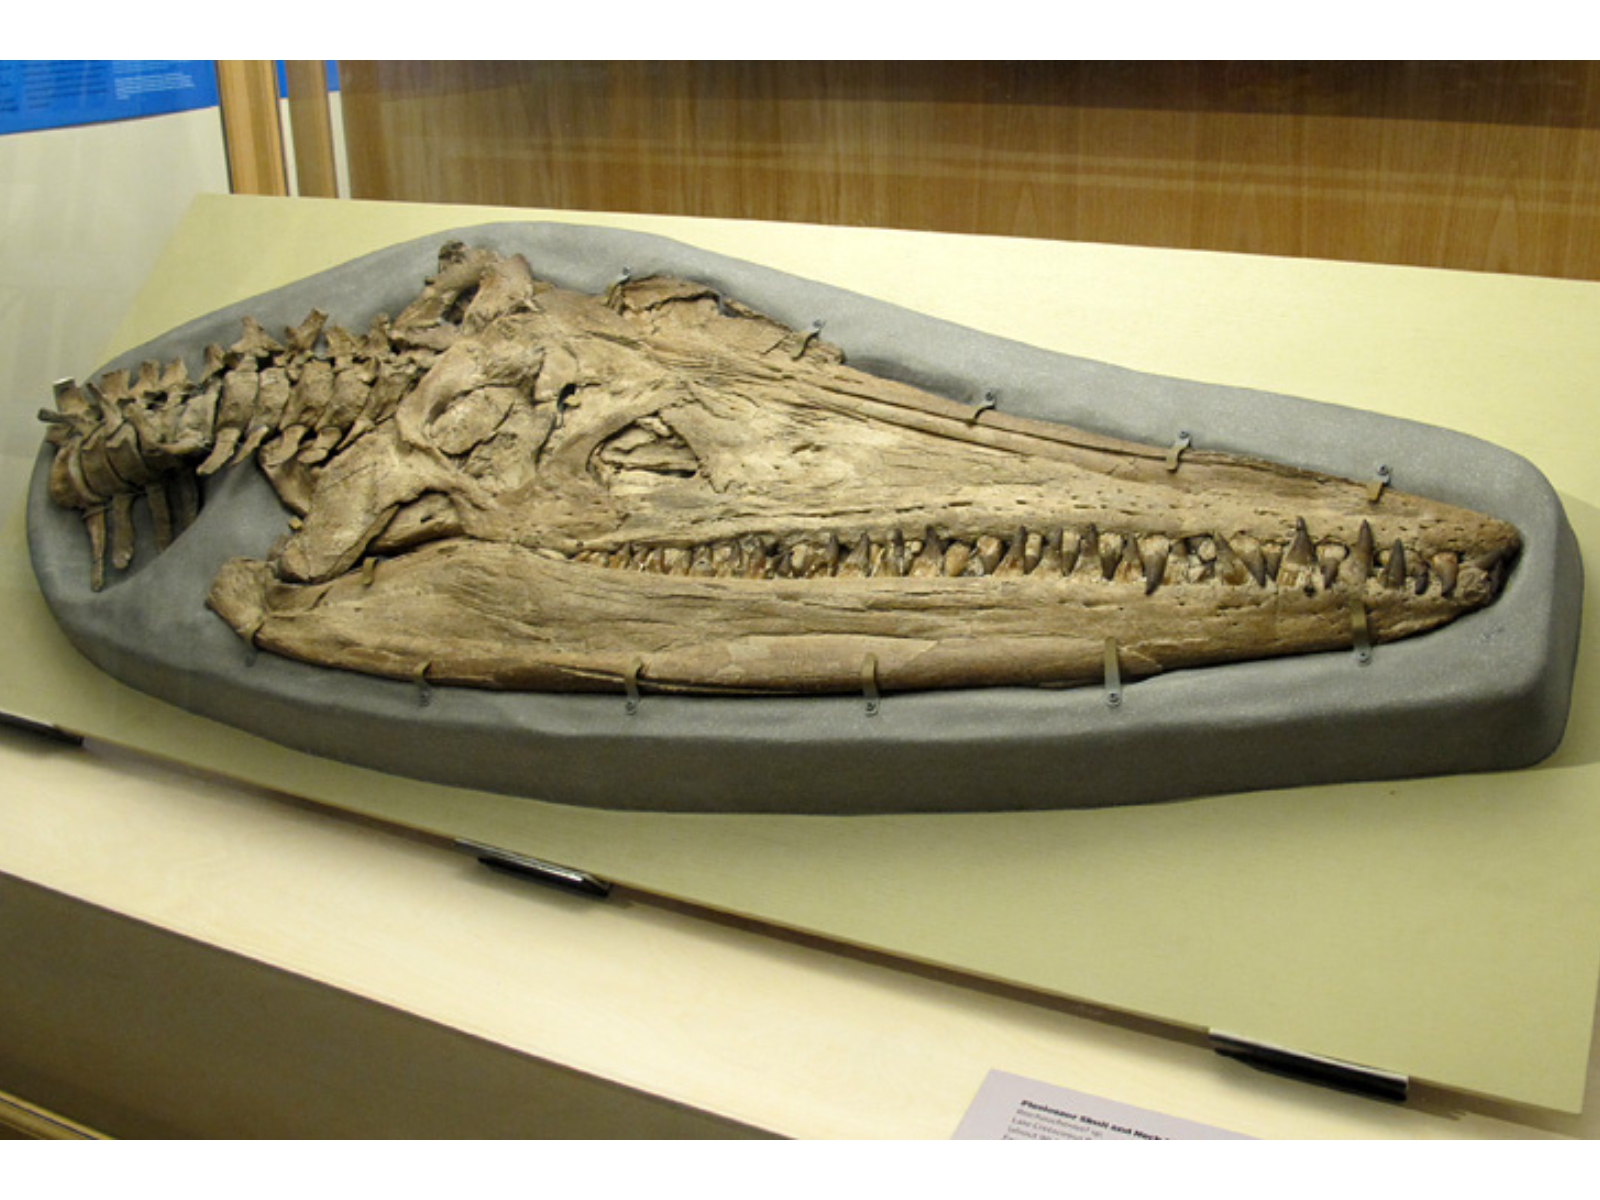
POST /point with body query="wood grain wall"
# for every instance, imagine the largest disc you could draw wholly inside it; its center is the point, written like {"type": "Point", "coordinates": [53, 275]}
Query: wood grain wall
{"type": "Point", "coordinates": [1479, 166]}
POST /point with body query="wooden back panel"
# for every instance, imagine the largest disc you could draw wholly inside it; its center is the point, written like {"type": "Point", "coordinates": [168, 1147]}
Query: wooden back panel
{"type": "Point", "coordinates": [1477, 166]}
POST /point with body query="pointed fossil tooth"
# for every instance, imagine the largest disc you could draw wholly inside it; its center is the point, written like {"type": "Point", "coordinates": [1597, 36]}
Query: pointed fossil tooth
{"type": "Point", "coordinates": [792, 562]}
{"type": "Point", "coordinates": [1032, 551]}
{"type": "Point", "coordinates": [1492, 564]}
{"type": "Point", "coordinates": [1177, 570]}
{"type": "Point", "coordinates": [1014, 561]}
{"type": "Point", "coordinates": [1301, 552]}
{"type": "Point", "coordinates": [1231, 568]}
{"type": "Point", "coordinates": [876, 550]}
{"type": "Point", "coordinates": [812, 556]}
{"type": "Point", "coordinates": [1251, 554]}
{"type": "Point", "coordinates": [809, 557]}
{"type": "Point", "coordinates": [700, 561]}
{"type": "Point", "coordinates": [1073, 546]}
{"type": "Point", "coordinates": [957, 557]}
{"type": "Point", "coordinates": [1154, 551]}
{"type": "Point", "coordinates": [1446, 566]}
{"type": "Point", "coordinates": [892, 560]}
{"type": "Point", "coordinates": [890, 557]}
{"type": "Point", "coordinates": [930, 559]}
{"type": "Point", "coordinates": [1202, 564]}
{"type": "Point", "coordinates": [1050, 561]}
{"type": "Point", "coordinates": [1419, 575]}
{"type": "Point", "coordinates": [1296, 563]}
{"type": "Point", "coordinates": [1393, 574]}
{"type": "Point", "coordinates": [858, 562]}
{"type": "Point", "coordinates": [989, 550]}
{"type": "Point", "coordinates": [1131, 567]}
{"type": "Point", "coordinates": [800, 559]}
{"type": "Point", "coordinates": [828, 555]}
{"type": "Point", "coordinates": [1330, 556]}
{"type": "Point", "coordinates": [1492, 567]}
{"type": "Point", "coordinates": [622, 556]}
{"type": "Point", "coordinates": [1110, 552]}
{"type": "Point", "coordinates": [1362, 555]}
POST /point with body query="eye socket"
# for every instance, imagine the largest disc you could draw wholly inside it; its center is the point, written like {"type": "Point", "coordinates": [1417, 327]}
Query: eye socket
{"type": "Point", "coordinates": [645, 451]}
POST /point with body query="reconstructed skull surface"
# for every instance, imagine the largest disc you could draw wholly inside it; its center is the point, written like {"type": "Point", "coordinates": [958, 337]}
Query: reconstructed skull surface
{"type": "Point", "coordinates": [513, 485]}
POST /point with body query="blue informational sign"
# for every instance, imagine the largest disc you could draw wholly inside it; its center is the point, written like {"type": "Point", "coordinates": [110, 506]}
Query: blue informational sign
{"type": "Point", "coordinates": [50, 93]}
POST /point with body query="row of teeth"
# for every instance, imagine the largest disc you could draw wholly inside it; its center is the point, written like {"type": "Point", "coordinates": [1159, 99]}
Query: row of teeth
{"type": "Point", "coordinates": [1151, 560]}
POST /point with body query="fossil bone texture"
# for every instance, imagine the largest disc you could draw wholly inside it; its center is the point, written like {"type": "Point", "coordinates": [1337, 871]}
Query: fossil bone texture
{"type": "Point", "coordinates": [519, 486]}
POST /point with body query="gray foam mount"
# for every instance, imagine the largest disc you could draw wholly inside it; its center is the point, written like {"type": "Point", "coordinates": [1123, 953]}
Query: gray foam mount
{"type": "Point", "coordinates": [1489, 691]}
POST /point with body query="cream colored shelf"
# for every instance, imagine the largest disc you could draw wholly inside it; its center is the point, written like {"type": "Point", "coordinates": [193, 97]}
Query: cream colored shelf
{"type": "Point", "coordinates": [785, 1034]}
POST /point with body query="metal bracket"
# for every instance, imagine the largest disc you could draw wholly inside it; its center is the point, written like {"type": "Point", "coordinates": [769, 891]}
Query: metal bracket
{"type": "Point", "coordinates": [1313, 1068]}
{"type": "Point", "coordinates": [1361, 633]}
{"type": "Point", "coordinates": [1375, 489]}
{"type": "Point", "coordinates": [869, 684]}
{"type": "Point", "coordinates": [991, 399]}
{"type": "Point", "coordinates": [568, 879]}
{"type": "Point", "coordinates": [424, 691]}
{"type": "Point", "coordinates": [614, 292]}
{"type": "Point", "coordinates": [1113, 675]}
{"type": "Point", "coordinates": [630, 684]}
{"type": "Point", "coordinates": [807, 336]}
{"type": "Point", "coordinates": [1175, 451]}
{"type": "Point", "coordinates": [251, 650]}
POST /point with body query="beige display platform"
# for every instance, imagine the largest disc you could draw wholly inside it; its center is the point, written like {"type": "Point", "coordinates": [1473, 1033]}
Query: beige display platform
{"type": "Point", "coordinates": [1447, 929]}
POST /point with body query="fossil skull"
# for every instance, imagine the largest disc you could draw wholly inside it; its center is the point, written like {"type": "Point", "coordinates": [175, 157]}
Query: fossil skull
{"type": "Point", "coordinates": [513, 485]}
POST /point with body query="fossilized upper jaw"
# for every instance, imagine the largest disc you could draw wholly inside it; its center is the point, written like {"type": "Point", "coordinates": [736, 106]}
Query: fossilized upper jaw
{"type": "Point", "coordinates": [1012, 501]}
{"type": "Point", "coordinates": [516, 485]}
{"type": "Point", "coordinates": [803, 468]}
{"type": "Point", "coordinates": [629, 451]}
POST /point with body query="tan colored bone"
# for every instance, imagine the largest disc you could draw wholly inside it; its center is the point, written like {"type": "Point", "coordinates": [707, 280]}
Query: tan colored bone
{"type": "Point", "coordinates": [563, 485]}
